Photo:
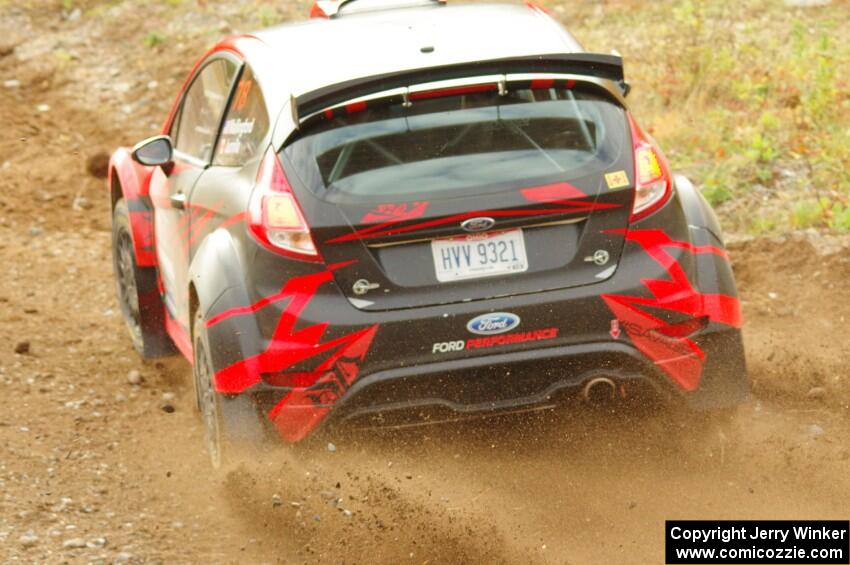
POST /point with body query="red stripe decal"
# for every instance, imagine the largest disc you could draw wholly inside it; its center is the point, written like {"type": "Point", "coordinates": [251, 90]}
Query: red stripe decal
{"type": "Point", "coordinates": [391, 228]}
{"type": "Point", "coordinates": [288, 290]}
{"type": "Point", "coordinates": [452, 91]}
{"type": "Point", "coordinates": [542, 83]}
{"type": "Point", "coordinates": [355, 107]}
{"type": "Point", "coordinates": [234, 219]}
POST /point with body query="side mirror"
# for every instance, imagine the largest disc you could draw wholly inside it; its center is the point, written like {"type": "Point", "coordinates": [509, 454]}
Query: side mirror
{"type": "Point", "coordinates": [154, 152]}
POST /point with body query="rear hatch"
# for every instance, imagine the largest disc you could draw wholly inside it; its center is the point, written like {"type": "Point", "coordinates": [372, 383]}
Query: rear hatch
{"type": "Point", "coordinates": [467, 193]}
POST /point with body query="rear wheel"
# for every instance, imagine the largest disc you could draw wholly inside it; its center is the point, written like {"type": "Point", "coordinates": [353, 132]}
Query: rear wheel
{"type": "Point", "coordinates": [138, 293]}
{"type": "Point", "coordinates": [232, 425]}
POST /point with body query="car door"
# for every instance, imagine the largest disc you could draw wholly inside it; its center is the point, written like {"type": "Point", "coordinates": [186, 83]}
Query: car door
{"type": "Point", "coordinates": [193, 131]}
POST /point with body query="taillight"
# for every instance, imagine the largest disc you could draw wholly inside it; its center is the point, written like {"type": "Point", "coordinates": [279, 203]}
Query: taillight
{"type": "Point", "coordinates": [276, 220]}
{"type": "Point", "coordinates": [652, 175]}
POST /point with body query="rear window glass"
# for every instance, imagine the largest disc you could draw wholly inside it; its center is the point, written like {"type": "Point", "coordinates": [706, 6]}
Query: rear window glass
{"type": "Point", "coordinates": [462, 144]}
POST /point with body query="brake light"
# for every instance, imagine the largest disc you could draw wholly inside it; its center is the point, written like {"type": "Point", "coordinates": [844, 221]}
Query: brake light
{"type": "Point", "coordinates": [276, 220]}
{"type": "Point", "coordinates": [652, 175]}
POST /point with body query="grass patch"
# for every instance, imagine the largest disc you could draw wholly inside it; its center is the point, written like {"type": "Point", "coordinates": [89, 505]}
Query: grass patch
{"type": "Point", "coordinates": [154, 38]}
{"type": "Point", "coordinates": [750, 98]}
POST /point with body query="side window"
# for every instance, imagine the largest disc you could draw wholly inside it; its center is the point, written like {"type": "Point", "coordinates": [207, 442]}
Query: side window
{"type": "Point", "coordinates": [245, 125]}
{"type": "Point", "coordinates": [202, 108]}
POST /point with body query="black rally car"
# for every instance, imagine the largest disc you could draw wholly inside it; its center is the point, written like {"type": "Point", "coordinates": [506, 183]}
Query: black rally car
{"type": "Point", "coordinates": [409, 208]}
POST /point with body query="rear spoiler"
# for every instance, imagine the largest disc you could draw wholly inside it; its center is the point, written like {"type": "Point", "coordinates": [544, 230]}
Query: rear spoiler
{"type": "Point", "coordinates": [608, 67]}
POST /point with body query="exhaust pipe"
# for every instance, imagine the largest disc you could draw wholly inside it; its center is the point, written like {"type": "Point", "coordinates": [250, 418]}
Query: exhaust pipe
{"type": "Point", "coordinates": [599, 391]}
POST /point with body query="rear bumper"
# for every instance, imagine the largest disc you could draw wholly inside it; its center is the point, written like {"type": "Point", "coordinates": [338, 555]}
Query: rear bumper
{"type": "Point", "coordinates": [526, 381]}
{"type": "Point", "coordinates": [308, 356]}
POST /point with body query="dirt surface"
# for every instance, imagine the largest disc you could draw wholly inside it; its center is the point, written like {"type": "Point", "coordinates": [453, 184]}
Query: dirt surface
{"type": "Point", "coordinates": [96, 469]}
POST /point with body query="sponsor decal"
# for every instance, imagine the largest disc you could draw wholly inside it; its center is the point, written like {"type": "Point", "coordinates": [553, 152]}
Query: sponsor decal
{"type": "Point", "coordinates": [495, 340]}
{"type": "Point", "coordinates": [395, 212]}
{"type": "Point", "coordinates": [447, 346]}
{"type": "Point", "coordinates": [510, 339]}
{"type": "Point", "coordinates": [491, 324]}
{"type": "Point", "coordinates": [238, 126]}
{"type": "Point", "coordinates": [618, 179]}
{"type": "Point", "coordinates": [230, 147]}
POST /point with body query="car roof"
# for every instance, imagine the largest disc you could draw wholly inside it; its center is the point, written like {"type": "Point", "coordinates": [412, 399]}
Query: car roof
{"type": "Point", "coordinates": [309, 55]}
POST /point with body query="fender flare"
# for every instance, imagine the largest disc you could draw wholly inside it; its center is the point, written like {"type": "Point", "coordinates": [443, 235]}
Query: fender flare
{"type": "Point", "coordinates": [697, 210]}
{"type": "Point", "coordinates": [217, 275]}
{"type": "Point", "coordinates": [132, 180]}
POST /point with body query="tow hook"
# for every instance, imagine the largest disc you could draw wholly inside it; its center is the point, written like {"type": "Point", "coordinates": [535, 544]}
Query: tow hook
{"type": "Point", "coordinates": [363, 286]}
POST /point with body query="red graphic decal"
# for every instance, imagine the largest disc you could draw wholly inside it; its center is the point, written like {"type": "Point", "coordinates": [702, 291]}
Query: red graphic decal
{"type": "Point", "coordinates": [542, 83]}
{"type": "Point", "coordinates": [674, 353]}
{"type": "Point", "coordinates": [577, 205]}
{"type": "Point", "coordinates": [395, 212]}
{"type": "Point", "coordinates": [285, 293]}
{"type": "Point", "coordinates": [315, 391]}
{"type": "Point", "coordinates": [552, 193]}
{"type": "Point", "coordinates": [355, 107]}
{"type": "Point", "coordinates": [458, 91]}
{"type": "Point", "coordinates": [234, 219]}
{"type": "Point", "coordinates": [195, 219]}
{"type": "Point", "coordinates": [197, 226]}
{"type": "Point", "coordinates": [303, 408]}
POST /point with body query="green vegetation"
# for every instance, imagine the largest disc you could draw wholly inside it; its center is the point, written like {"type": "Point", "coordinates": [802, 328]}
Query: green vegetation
{"type": "Point", "coordinates": [267, 16]}
{"type": "Point", "coordinates": [154, 38]}
{"type": "Point", "coordinates": [63, 56]}
{"type": "Point", "coordinates": [750, 98]}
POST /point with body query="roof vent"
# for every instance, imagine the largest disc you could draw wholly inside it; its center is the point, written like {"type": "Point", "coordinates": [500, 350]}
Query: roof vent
{"type": "Point", "coordinates": [327, 9]}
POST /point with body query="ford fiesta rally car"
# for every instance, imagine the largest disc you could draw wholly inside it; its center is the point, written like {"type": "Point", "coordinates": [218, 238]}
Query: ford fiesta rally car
{"type": "Point", "coordinates": [409, 212]}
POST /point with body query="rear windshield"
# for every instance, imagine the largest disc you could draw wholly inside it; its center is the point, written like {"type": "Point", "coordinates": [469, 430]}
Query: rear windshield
{"type": "Point", "coordinates": [461, 144]}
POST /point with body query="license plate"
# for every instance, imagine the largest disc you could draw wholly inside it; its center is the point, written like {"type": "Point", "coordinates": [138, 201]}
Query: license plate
{"type": "Point", "coordinates": [479, 255]}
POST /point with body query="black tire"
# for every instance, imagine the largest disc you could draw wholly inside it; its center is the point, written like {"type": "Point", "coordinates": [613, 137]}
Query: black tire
{"type": "Point", "coordinates": [233, 426]}
{"type": "Point", "coordinates": [138, 293]}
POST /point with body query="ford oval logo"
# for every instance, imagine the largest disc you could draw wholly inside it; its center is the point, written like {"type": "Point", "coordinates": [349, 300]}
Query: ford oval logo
{"type": "Point", "coordinates": [491, 324]}
{"type": "Point", "coordinates": [478, 224]}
